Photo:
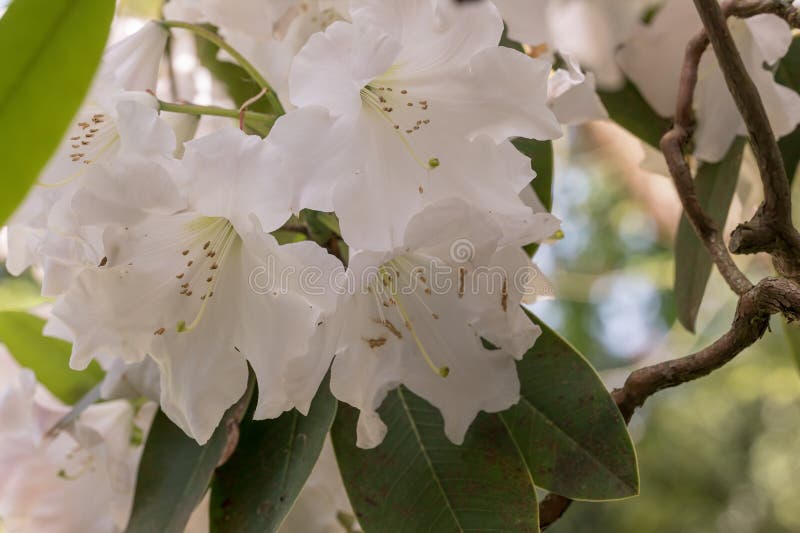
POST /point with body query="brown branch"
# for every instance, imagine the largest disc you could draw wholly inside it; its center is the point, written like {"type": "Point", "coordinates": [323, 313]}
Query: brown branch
{"type": "Point", "coordinates": [770, 296]}
{"type": "Point", "coordinates": [672, 146]}
{"type": "Point", "coordinates": [771, 229]}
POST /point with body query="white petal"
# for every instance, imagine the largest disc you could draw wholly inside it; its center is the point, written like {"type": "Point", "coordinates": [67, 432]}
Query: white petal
{"type": "Point", "coordinates": [525, 21]}
{"type": "Point", "coordinates": [470, 102]}
{"type": "Point", "coordinates": [434, 34]}
{"type": "Point", "coordinates": [334, 66]}
{"type": "Point", "coordinates": [134, 61]}
{"type": "Point", "coordinates": [653, 56]}
{"type": "Point", "coordinates": [230, 174]}
{"type": "Point", "coordinates": [572, 95]}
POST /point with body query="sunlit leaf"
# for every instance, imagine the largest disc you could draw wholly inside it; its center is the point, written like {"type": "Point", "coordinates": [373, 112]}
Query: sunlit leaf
{"type": "Point", "coordinates": [46, 356]}
{"type": "Point", "coordinates": [568, 428]}
{"type": "Point", "coordinates": [256, 488]}
{"type": "Point", "coordinates": [715, 184]}
{"type": "Point", "coordinates": [19, 294]}
{"type": "Point", "coordinates": [49, 50]}
{"type": "Point", "coordinates": [417, 480]}
{"type": "Point", "coordinates": [175, 471]}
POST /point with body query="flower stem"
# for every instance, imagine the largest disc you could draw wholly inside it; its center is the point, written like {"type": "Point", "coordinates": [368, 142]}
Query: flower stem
{"type": "Point", "coordinates": [212, 37]}
{"type": "Point", "coordinates": [259, 121]}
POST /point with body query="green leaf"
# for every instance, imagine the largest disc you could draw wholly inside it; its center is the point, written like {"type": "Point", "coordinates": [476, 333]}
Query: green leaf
{"type": "Point", "coordinates": [541, 156]}
{"type": "Point", "coordinates": [175, 471]}
{"type": "Point", "coordinates": [19, 294]}
{"type": "Point", "coordinates": [629, 109]}
{"type": "Point", "coordinates": [49, 50]}
{"type": "Point", "coordinates": [284, 236]}
{"type": "Point", "coordinates": [239, 84]}
{"type": "Point", "coordinates": [256, 488]}
{"type": "Point", "coordinates": [787, 74]}
{"type": "Point", "coordinates": [715, 185]}
{"type": "Point", "coordinates": [417, 480]}
{"type": "Point", "coordinates": [568, 428]}
{"type": "Point", "coordinates": [46, 356]}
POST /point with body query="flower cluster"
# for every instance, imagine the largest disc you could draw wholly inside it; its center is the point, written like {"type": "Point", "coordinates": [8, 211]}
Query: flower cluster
{"type": "Point", "coordinates": [400, 119]}
{"type": "Point", "coordinates": [393, 121]}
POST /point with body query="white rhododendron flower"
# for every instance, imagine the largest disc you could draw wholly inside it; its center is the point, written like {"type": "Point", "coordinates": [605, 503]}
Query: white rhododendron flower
{"type": "Point", "coordinates": [178, 287]}
{"type": "Point", "coordinates": [589, 30]}
{"type": "Point", "coordinates": [653, 57]}
{"type": "Point", "coordinates": [411, 101]}
{"type": "Point", "coordinates": [571, 94]}
{"type": "Point", "coordinates": [116, 122]}
{"type": "Point", "coordinates": [269, 34]}
{"type": "Point", "coordinates": [81, 478]}
{"type": "Point", "coordinates": [418, 316]}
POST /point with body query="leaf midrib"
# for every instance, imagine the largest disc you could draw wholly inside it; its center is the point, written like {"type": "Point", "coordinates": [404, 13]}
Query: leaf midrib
{"type": "Point", "coordinates": [428, 460]}
{"type": "Point", "coordinates": [570, 438]}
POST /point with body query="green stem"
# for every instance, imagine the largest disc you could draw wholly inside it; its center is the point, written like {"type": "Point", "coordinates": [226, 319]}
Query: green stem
{"type": "Point", "coordinates": [251, 117]}
{"type": "Point", "coordinates": [212, 37]}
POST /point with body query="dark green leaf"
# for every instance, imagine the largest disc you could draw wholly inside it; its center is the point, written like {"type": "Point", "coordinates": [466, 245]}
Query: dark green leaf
{"type": "Point", "coordinates": [509, 43]}
{"type": "Point", "coordinates": [255, 489]}
{"type": "Point", "coordinates": [49, 50]}
{"type": "Point", "coordinates": [567, 426]}
{"type": "Point", "coordinates": [417, 480]}
{"type": "Point", "coordinates": [629, 109]}
{"type": "Point", "coordinates": [715, 185]}
{"type": "Point", "coordinates": [788, 74]}
{"type": "Point", "coordinates": [541, 156]}
{"type": "Point", "coordinates": [46, 356]}
{"type": "Point", "coordinates": [175, 471]}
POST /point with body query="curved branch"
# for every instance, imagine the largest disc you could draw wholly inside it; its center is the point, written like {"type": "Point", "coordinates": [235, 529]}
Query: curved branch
{"type": "Point", "coordinates": [771, 296]}
{"type": "Point", "coordinates": [771, 229]}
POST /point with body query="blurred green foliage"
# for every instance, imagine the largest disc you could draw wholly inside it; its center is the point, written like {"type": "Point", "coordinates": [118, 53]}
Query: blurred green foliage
{"type": "Point", "coordinates": [719, 454]}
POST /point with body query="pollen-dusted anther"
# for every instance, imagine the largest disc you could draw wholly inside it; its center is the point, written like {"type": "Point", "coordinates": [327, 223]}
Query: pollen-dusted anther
{"type": "Point", "coordinates": [180, 276]}
{"type": "Point", "coordinates": [185, 252]}
{"type": "Point", "coordinates": [206, 245]}
{"type": "Point", "coordinates": [461, 272]}
{"type": "Point", "coordinates": [159, 331]}
{"type": "Point", "coordinates": [375, 343]}
{"type": "Point", "coordinates": [504, 298]}
{"type": "Point", "coordinates": [103, 262]}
